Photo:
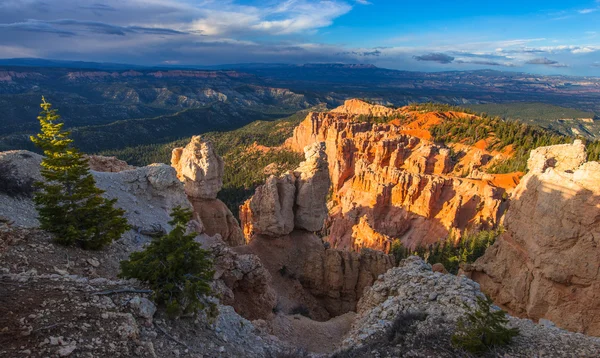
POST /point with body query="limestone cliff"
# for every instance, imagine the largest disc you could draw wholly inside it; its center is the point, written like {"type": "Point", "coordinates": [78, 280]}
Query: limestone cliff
{"type": "Point", "coordinates": [390, 181]}
{"type": "Point", "coordinates": [546, 265]}
{"type": "Point", "coordinates": [200, 169]}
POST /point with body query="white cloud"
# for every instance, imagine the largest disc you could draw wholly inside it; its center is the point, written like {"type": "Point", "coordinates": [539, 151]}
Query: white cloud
{"type": "Point", "coordinates": [587, 11]}
{"type": "Point", "coordinates": [289, 17]}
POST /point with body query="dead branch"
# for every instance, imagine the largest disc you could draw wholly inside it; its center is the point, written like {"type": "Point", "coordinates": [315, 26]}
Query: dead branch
{"type": "Point", "coordinates": [121, 290]}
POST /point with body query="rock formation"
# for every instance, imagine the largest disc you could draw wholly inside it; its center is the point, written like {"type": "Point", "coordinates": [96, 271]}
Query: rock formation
{"type": "Point", "coordinates": [390, 181]}
{"type": "Point", "coordinates": [100, 163]}
{"type": "Point", "coordinates": [200, 169]}
{"type": "Point", "coordinates": [281, 219]}
{"type": "Point", "coordinates": [428, 305]}
{"type": "Point", "coordinates": [546, 264]}
{"type": "Point", "coordinates": [295, 200]}
{"type": "Point", "coordinates": [328, 282]}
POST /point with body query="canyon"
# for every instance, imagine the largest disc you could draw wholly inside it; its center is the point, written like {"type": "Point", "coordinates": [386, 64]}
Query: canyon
{"type": "Point", "coordinates": [390, 181]}
{"type": "Point", "coordinates": [308, 267]}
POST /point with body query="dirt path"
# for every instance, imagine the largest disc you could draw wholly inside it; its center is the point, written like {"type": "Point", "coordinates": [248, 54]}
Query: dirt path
{"type": "Point", "coordinates": [312, 336]}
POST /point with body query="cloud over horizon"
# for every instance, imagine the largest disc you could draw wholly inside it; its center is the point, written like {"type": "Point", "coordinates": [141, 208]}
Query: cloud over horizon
{"type": "Point", "coordinates": [208, 32]}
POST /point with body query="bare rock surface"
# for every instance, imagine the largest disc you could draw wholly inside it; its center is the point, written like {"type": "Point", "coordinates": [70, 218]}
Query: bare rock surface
{"type": "Point", "coordinates": [19, 170]}
{"type": "Point", "coordinates": [270, 211]}
{"type": "Point", "coordinates": [325, 282]}
{"type": "Point", "coordinates": [217, 219]}
{"type": "Point", "coordinates": [241, 280]}
{"type": "Point", "coordinates": [545, 266]}
{"type": "Point", "coordinates": [429, 304]}
{"type": "Point", "coordinates": [54, 302]}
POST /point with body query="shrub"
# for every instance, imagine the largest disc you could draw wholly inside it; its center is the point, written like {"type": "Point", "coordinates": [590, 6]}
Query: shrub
{"type": "Point", "coordinates": [482, 328]}
{"type": "Point", "coordinates": [68, 202]}
{"type": "Point", "coordinates": [175, 267]}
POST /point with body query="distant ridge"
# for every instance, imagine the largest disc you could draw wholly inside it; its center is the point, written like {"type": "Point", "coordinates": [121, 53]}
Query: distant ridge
{"type": "Point", "coordinates": [109, 66]}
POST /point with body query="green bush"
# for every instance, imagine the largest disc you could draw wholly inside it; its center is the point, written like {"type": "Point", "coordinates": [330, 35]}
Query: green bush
{"type": "Point", "coordinates": [482, 328]}
{"type": "Point", "coordinates": [175, 267]}
{"type": "Point", "coordinates": [68, 202]}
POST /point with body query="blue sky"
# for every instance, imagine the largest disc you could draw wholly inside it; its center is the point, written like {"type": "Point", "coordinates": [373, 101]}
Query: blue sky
{"type": "Point", "coordinates": [549, 37]}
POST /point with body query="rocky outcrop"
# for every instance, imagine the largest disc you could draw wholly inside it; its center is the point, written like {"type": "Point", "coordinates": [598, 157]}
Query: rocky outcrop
{"type": "Point", "coordinates": [295, 200]}
{"type": "Point", "coordinates": [100, 163]}
{"type": "Point", "coordinates": [390, 181]}
{"type": "Point", "coordinates": [546, 264]}
{"type": "Point", "coordinates": [200, 169]}
{"type": "Point", "coordinates": [427, 306]}
{"type": "Point", "coordinates": [356, 106]}
{"type": "Point", "coordinates": [147, 194]}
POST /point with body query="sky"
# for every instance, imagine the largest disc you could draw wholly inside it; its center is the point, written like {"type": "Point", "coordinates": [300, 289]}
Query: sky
{"type": "Point", "coordinates": [545, 37]}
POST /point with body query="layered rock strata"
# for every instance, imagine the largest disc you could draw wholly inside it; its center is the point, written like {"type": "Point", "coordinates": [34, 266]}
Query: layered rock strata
{"type": "Point", "coordinates": [547, 263]}
{"type": "Point", "coordinates": [390, 181]}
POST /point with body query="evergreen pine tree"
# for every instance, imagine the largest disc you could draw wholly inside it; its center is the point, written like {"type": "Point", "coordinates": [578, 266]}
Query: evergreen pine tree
{"type": "Point", "coordinates": [68, 202]}
{"type": "Point", "coordinates": [175, 266]}
{"type": "Point", "coordinates": [483, 328]}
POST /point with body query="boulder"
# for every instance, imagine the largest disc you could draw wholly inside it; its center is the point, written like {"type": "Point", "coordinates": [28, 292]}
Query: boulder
{"type": "Point", "coordinates": [199, 167]}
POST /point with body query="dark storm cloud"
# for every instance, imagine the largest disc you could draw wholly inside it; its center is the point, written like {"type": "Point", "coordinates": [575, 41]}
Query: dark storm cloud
{"type": "Point", "coordinates": [58, 27]}
{"type": "Point", "coordinates": [98, 7]}
{"type": "Point", "coordinates": [484, 56]}
{"type": "Point", "coordinates": [361, 53]}
{"type": "Point", "coordinates": [435, 57]}
{"type": "Point", "coordinates": [36, 26]}
{"type": "Point", "coordinates": [485, 63]}
{"type": "Point", "coordinates": [545, 61]}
